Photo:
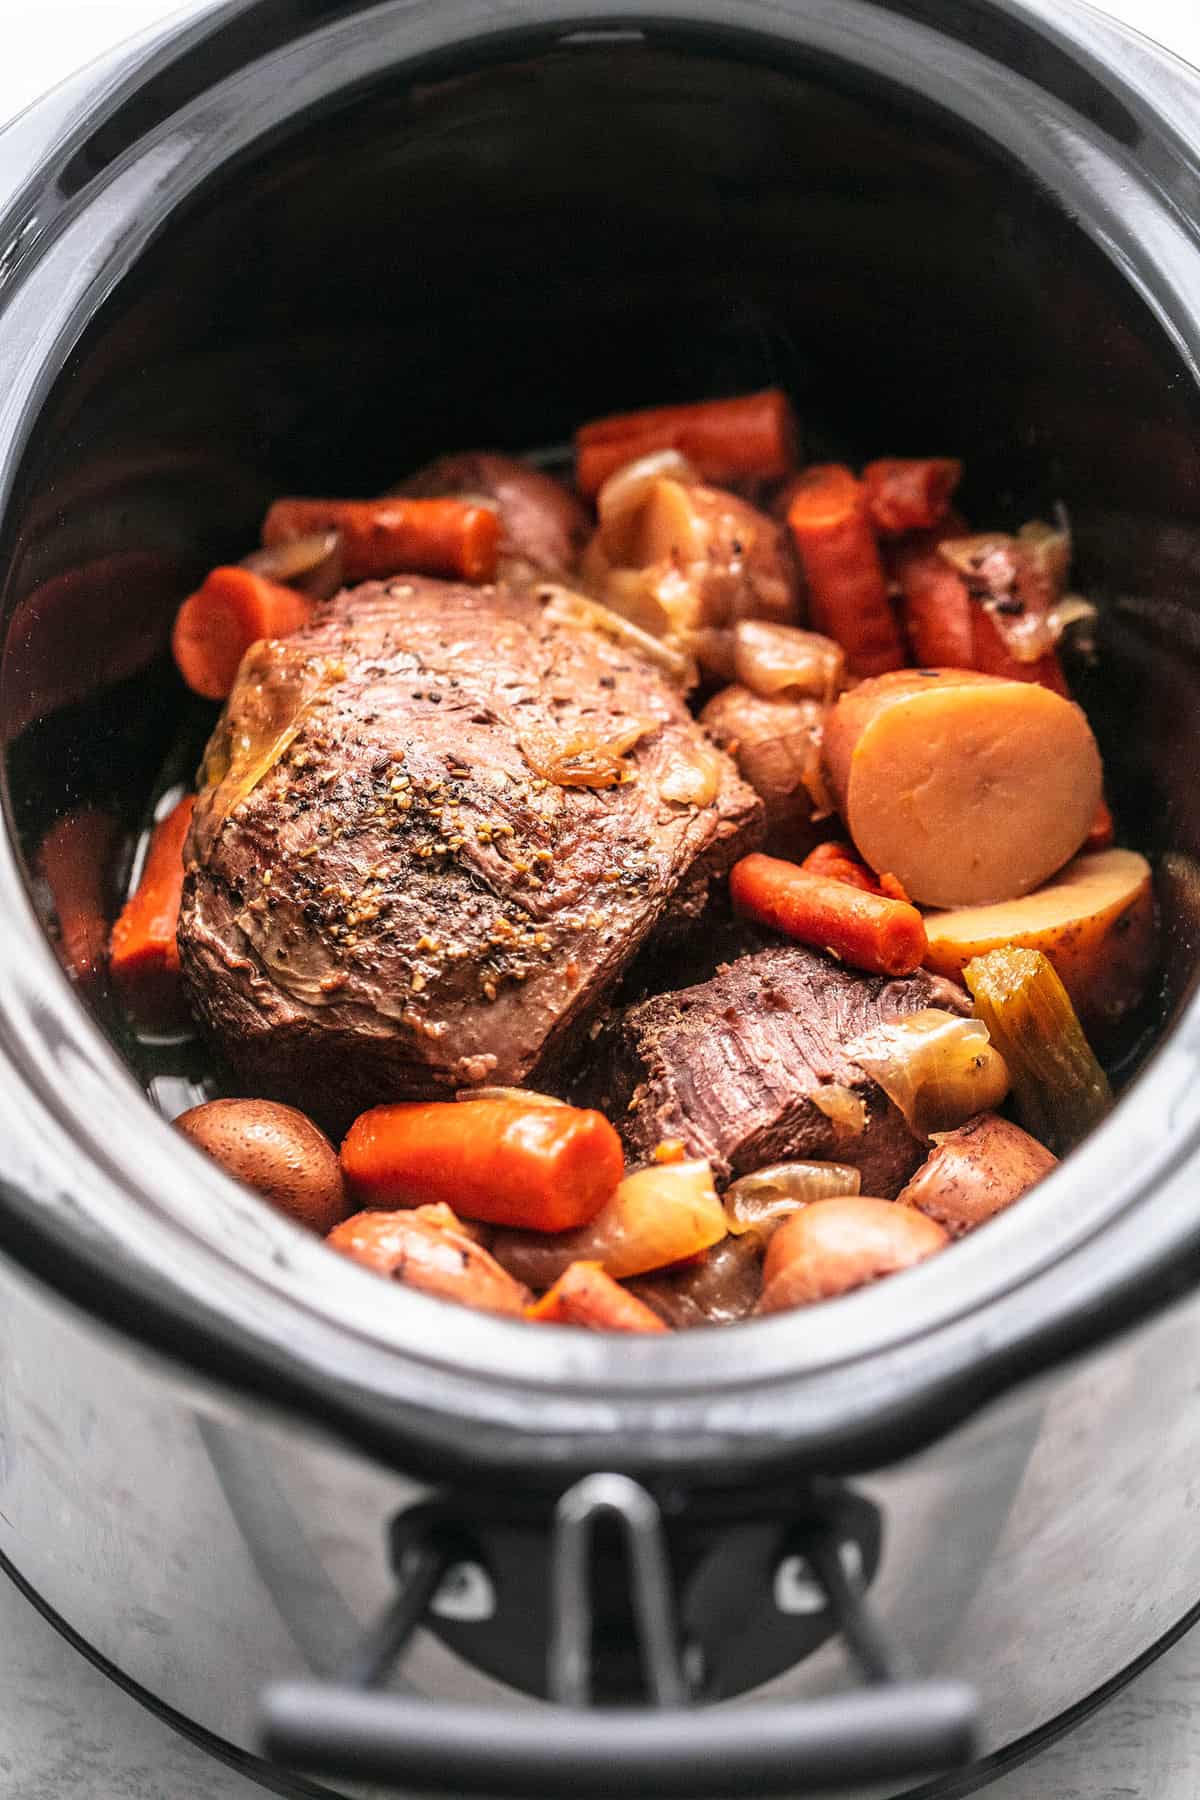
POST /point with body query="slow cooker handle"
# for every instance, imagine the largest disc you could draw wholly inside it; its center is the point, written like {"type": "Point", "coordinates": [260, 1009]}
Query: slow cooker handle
{"type": "Point", "coordinates": [886, 1731]}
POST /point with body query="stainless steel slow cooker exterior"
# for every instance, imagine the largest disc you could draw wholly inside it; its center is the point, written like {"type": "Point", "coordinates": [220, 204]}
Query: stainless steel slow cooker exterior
{"type": "Point", "coordinates": [208, 1426]}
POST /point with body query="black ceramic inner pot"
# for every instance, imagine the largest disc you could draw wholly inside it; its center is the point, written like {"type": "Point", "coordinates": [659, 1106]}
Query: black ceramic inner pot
{"type": "Point", "coordinates": [305, 246]}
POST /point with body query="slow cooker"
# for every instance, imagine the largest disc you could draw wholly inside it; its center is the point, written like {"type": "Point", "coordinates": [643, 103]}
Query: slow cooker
{"type": "Point", "coordinates": [303, 244]}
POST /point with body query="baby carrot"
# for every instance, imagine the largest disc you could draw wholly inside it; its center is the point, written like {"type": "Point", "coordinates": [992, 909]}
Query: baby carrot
{"type": "Point", "coordinates": [585, 1295]}
{"type": "Point", "coordinates": [936, 607]}
{"type": "Point", "coordinates": [868, 931]}
{"type": "Point", "coordinates": [847, 587]}
{"type": "Point", "coordinates": [835, 861]}
{"type": "Point", "coordinates": [143, 954]}
{"type": "Point", "coordinates": [75, 857]}
{"type": "Point", "coordinates": [538, 1167]}
{"type": "Point", "coordinates": [396, 536]}
{"type": "Point", "coordinates": [217, 624]}
{"type": "Point", "coordinates": [910, 493]}
{"type": "Point", "coordinates": [752, 437]}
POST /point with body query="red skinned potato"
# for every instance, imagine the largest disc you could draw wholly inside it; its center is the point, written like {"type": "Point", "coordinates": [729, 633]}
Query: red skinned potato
{"type": "Point", "coordinates": [968, 788]}
{"type": "Point", "coordinates": [975, 1172]}
{"type": "Point", "coordinates": [1094, 922]}
{"type": "Point", "coordinates": [275, 1150]}
{"type": "Point", "coordinates": [834, 1246]}
{"type": "Point", "coordinates": [428, 1249]}
{"type": "Point", "coordinates": [541, 521]}
{"type": "Point", "coordinates": [777, 747]}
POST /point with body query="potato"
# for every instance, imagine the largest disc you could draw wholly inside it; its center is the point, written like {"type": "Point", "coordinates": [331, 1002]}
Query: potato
{"type": "Point", "coordinates": [275, 1150]}
{"type": "Point", "coordinates": [833, 1246]}
{"type": "Point", "coordinates": [1094, 922]}
{"type": "Point", "coordinates": [777, 747]}
{"type": "Point", "coordinates": [968, 788]}
{"type": "Point", "coordinates": [975, 1172]}
{"type": "Point", "coordinates": [425, 1247]}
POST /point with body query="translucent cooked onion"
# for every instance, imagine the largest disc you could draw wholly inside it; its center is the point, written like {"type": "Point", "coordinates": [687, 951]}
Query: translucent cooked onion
{"type": "Point", "coordinates": [939, 1069]}
{"type": "Point", "coordinates": [625, 492]}
{"type": "Point", "coordinates": [692, 777]}
{"type": "Point", "coordinates": [563, 606]}
{"type": "Point", "coordinates": [519, 1096]}
{"type": "Point", "coordinates": [759, 1201]}
{"type": "Point", "coordinates": [842, 1106]}
{"type": "Point", "coordinates": [780, 659]}
{"type": "Point", "coordinates": [720, 1289]}
{"type": "Point", "coordinates": [579, 759]}
{"type": "Point", "coordinates": [656, 1217]}
{"type": "Point", "coordinates": [314, 564]}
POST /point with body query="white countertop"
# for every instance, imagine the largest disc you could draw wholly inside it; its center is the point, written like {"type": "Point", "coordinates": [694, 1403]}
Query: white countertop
{"type": "Point", "coordinates": [64, 1729]}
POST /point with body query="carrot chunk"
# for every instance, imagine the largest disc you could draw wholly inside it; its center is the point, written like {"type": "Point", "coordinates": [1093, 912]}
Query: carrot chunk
{"type": "Point", "coordinates": [74, 858]}
{"type": "Point", "coordinates": [868, 931]}
{"type": "Point", "coordinates": [948, 630]}
{"type": "Point", "coordinates": [910, 493]}
{"type": "Point", "coordinates": [585, 1295]}
{"type": "Point", "coordinates": [752, 437]}
{"type": "Point", "coordinates": [144, 957]}
{"type": "Point", "coordinates": [848, 590]}
{"type": "Point", "coordinates": [217, 624]}
{"type": "Point", "coordinates": [834, 861]}
{"type": "Point", "coordinates": [396, 535]}
{"type": "Point", "coordinates": [539, 1167]}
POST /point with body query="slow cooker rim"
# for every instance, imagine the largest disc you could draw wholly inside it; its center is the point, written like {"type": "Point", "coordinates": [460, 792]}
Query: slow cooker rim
{"type": "Point", "coordinates": [643, 1377]}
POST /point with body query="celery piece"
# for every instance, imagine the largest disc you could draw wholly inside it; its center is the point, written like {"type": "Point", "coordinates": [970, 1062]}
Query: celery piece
{"type": "Point", "coordinates": [1060, 1089]}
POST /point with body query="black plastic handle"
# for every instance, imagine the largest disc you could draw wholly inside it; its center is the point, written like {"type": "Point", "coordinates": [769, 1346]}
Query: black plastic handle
{"type": "Point", "coordinates": [903, 1729]}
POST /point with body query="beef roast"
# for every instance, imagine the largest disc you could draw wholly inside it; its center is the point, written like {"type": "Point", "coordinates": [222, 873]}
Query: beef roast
{"type": "Point", "coordinates": [396, 886]}
{"type": "Point", "coordinates": [731, 1066]}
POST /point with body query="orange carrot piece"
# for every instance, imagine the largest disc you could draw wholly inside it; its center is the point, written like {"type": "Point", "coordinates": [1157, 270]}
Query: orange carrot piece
{"type": "Point", "coordinates": [670, 1150]}
{"type": "Point", "coordinates": [847, 587]}
{"type": "Point", "coordinates": [534, 1166]}
{"type": "Point", "coordinates": [75, 857]}
{"type": "Point", "coordinates": [948, 630]}
{"type": "Point", "coordinates": [586, 1295]}
{"type": "Point", "coordinates": [750, 437]}
{"type": "Point", "coordinates": [910, 493]}
{"type": "Point", "coordinates": [217, 624]}
{"type": "Point", "coordinates": [1103, 832]}
{"type": "Point", "coordinates": [993, 657]}
{"type": "Point", "coordinates": [396, 535]}
{"type": "Point", "coordinates": [868, 931]}
{"type": "Point", "coordinates": [834, 861]}
{"type": "Point", "coordinates": [936, 608]}
{"type": "Point", "coordinates": [143, 954]}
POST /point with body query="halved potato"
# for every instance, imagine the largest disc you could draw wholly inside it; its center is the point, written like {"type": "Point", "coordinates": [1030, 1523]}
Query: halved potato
{"type": "Point", "coordinates": [1094, 922]}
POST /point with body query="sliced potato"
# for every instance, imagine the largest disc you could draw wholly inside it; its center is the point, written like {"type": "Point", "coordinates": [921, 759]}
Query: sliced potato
{"type": "Point", "coordinates": [968, 788]}
{"type": "Point", "coordinates": [1094, 923]}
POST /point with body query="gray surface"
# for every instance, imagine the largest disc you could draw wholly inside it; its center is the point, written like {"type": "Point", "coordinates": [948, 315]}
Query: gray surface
{"type": "Point", "coordinates": [66, 1731]}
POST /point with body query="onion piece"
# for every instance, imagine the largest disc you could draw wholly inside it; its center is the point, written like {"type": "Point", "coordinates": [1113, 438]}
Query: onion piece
{"type": "Point", "coordinates": [780, 659]}
{"type": "Point", "coordinates": [563, 606]}
{"type": "Point", "coordinates": [583, 760]}
{"type": "Point", "coordinates": [314, 564]}
{"type": "Point", "coordinates": [518, 1096]}
{"type": "Point", "coordinates": [846, 1109]}
{"type": "Point", "coordinates": [622, 496]}
{"type": "Point", "coordinates": [657, 1216]}
{"type": "Point", "coordinates": [1018, 580]}
{"type": "Point", "coordinates": [759, 1201]}
{"type": "Point", "coordinates": [939, 1069]}
{"type": "Point", "coordinates": [723, 1287]}
{"type": "Point", "coordinates": [692, 776]}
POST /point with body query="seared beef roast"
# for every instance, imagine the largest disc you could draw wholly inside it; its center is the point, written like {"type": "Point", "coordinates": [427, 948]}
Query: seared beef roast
{"type": "Point", "coordinates": [731, 1066]}
{"type": "Point", "coordinates": [398, 885]}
